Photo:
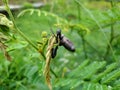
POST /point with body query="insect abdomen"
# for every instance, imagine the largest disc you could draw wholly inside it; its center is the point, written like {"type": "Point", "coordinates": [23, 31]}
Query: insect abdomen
{"type": "Point", "coordinates": [67, 44]}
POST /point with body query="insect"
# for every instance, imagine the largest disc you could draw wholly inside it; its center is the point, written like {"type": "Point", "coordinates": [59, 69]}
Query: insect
{"type": "Point", "coordinates": [62, 41]}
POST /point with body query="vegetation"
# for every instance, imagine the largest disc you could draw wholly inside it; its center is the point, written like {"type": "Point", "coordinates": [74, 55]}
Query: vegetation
{"type": "Point", "coordinates": [26, 41]}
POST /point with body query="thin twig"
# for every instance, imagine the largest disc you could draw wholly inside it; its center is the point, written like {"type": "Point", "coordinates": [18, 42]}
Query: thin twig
{"type": "Point", "coordinates": [84, 48]}
{"type": "Point", "coordinates": [79, 11]}
{"type": "Point", "coordinates": [82, 37]}
{"type": "Point", "coordinates": [16, 28]}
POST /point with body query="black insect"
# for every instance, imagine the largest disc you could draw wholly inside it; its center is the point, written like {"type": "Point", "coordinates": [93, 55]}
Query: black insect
{"type": "Point", "coordinates": [63, 41]}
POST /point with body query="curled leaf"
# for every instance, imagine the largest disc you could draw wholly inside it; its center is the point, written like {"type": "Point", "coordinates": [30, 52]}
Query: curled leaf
{"type": "Point", "coordinates": [4, 21]}
{"type": "Point", "coordinates": [81, 28]}
{"type": "Point", "coordinates": [51, 42]}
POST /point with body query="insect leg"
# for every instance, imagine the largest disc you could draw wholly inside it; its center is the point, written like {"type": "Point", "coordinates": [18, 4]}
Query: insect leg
{"type": "Point", "coordinates": [54, 52]}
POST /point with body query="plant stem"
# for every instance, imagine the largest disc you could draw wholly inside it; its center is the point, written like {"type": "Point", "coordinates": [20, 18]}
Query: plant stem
{"type": "Point", "coordinates": [79, 12]}
{"type": "Point", "coordinates": [84, 48]}
{"type": "Point", "coordinates": [111, 35]}
{"type": "Point", "coordinates": [97, 23]}
{"type": "Point", "coordinates": [17, 29]}
{"type": "Point", "coordinates": [111, 39]}
{"type": "Point", "coordinates": [50, 68]}
{"type": "Point", "coordinates": [82, 37]}
{"type": "Point", "coordinates": [22, 34]}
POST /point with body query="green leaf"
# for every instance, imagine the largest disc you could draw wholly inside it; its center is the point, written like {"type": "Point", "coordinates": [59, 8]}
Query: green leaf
{"type": "Point", "coordinates": [76, 83]}
{"type": "Point", "coordinates": [101, 87]}
{"type": "Point", "coordinates": [88, 86]}
{"type": "Point", "coordinates": [91, 69]}
{"type": "Point", "coordinates": [16, 45]}
{"type": "Point", "coordinates": [117, 83]}
{"type": "Point", "coordinates": [111, 76]}
{"type": "Point", "coordinates": [63, 82]}
{"type": "Point", "coordinates": [109, 68]}
{"type": "Point", "coordinates": [30, 71]}
{"type": "Point", "coordinates": [80, 67]}
{"type": "Point", "coordinates": [95, 86]}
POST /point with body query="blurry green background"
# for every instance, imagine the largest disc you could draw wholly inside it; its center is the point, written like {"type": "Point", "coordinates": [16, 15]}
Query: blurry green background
{"type": "Point", "coordinates": [92, 21]}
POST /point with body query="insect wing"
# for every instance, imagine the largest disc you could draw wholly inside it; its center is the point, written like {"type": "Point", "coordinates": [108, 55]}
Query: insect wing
{"type": "Point", "coordinates": [67, 44]}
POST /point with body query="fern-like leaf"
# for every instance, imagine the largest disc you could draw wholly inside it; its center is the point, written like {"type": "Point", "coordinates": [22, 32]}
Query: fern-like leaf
{"type": "Point", "coordinates": [111, 76]}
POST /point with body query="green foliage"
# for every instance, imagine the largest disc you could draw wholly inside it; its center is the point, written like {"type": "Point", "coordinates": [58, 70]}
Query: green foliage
{"type": "Point", "coordinates": [95, 33]}
{"type": "Point", "coordinates": [90, 76]}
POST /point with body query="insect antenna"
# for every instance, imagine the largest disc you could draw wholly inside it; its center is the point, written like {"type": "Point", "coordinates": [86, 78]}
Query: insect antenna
{"type": "Point", "coordinates": [51, 30]}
